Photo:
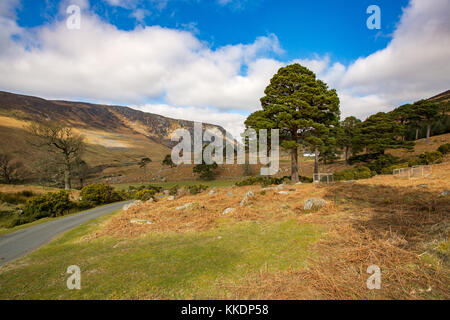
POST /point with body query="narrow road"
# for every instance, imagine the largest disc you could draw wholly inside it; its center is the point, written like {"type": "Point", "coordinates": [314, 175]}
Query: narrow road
{"type": "Point", "coordinates": [19, 243]}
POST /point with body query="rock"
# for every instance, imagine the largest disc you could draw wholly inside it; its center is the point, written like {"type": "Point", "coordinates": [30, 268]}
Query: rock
{"type": "Point", "coordinates": [284, 206]}
{"type": "Point", "coordinates": [212, 192]}
{"type": "Point", "coordinates": [283, 192]}
{"type": "Point", "coordinates": [166, 192]}
{"type": "Point", "coordinates": [133, 204]}
{"type": "Point", "coordinates": [422, 185]}
{"type": "Point", "coordinates": [171, 198]}
{"type": "Point", "coordinates": [163, 179]}
{"type": "Point", "coordinates": [187, 205]}
{"type": "Point", "coordinates": [149, 201]}
{"type": "Point", "coordinates": [20, 211]}
{"type": "Point", "coordinates": [140, 221]}
{"type": "Point", "coordinates": [314, 203]}
{"type": "Point", "coordinates": [247, 195]}
{"type": "Point", "coordinates": [227, 211]}
{"type": "Point", "coordinates": [445, 193]}
{"type": "Point", "coordinates": [298, 183]}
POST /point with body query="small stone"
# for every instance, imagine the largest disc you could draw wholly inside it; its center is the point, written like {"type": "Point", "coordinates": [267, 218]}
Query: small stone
{"type": "Point", "coordinates": [166, 191]}
{"type": "Point", "coordinates": [149, 201]}
{"type": "Point", "coordinates": [140, 221]}
{"type": "Point", "coordinates": [219, 237]}
{"type": "Point", "coordinates": [247, 195]}
{"type": "Point", "coordinates": [314, 203]}
{"type": "Point", "coordinates": [284, 206]}
{"type": "Point", "coordinates": [227, 211]}
{"type": "Point", "coordinates": [422, 185]}
{"type": "Point", "coordinates": [445, 193]}
{"type": "Point", "coordinates": [283, 192]}
{"type": "Point", "coordinates": [187, 205]}
{"type": "Point", "coordinates": [171, 198]}
{"type": "Point", "coordinates": [212, 192]}
{"type": "Point", "coordinates": [298, 183]}
{"type": "Point", "coordinates": [133, 204]}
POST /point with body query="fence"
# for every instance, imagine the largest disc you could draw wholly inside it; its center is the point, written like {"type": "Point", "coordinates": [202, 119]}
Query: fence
{"type": "Point", "coordinates": [323, 177]}
{"type": "Point", "coordinates": [414, 172]}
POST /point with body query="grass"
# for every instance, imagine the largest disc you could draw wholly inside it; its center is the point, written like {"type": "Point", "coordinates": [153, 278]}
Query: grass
{"type": "Point", "coordinates": [166, 265]}
{"type": "Point", "coordinates": [167, 185]}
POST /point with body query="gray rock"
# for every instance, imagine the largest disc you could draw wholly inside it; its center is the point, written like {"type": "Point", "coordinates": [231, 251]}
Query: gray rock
{"type": "Point", "coordinates": [445, 193]}
{"type": "Point", "coordinates": [283, 192]}
{"type": "Point", "coordinates": [246, 197]}
{"type": "Point", "coordinates": [227, 211]}
{"type": "Point", "coordinates": [422, 185]}
{"type": "Point", "coordinates": [130, 205]}
{"type": "Point", "coordinates": [298, 183]}
{"type": "Point", "coordinates": [212, 192]}
{"type": "Point", "coordinates": [140, 221]}
{"type": "Point", "coordinates": [187, 205]}
{"type": "Point", "coordinates": [314, 203]}
{"type": "Point", "coordinates": [171, 198]}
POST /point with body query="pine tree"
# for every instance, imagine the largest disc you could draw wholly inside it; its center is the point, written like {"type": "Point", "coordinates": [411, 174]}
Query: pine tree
{"type": "Point", "coordinates": [300, 106]}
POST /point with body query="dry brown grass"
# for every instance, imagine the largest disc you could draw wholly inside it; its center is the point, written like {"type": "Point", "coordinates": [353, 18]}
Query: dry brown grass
{"type": "Point", "coordinates": [392, 223]}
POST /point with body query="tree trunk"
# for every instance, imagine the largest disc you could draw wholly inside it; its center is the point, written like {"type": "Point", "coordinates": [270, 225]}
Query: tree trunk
{"type": "Point", "coordinates": [428, 133]}
{"type": "Point", "coordinates": [417, 133]}
{"type": "Point", "coordinates": [316, 160]}
{"type": "Point", "coordinates": [347, 149]}
{"type": "Point", "coordinates": [67, 173]}
{"type": "Point", "coordinates": [294, 165]}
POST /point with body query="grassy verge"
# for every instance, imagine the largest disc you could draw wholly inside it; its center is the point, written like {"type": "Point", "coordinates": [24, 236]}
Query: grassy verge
{"type": "Point", "coordinates": [4, 231]}
{"type": "Point", "coordinates": [160, 265]}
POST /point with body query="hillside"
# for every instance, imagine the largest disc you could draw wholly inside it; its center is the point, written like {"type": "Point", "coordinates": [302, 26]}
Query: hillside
{"type": "Point", "coordinates": [116, 136]}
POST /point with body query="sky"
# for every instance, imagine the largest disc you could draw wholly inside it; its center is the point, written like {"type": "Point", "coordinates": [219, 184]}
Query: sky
{"type": "Point", "coordinates": [210, 60]}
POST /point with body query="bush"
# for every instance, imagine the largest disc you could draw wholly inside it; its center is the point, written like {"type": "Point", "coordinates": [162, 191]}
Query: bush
{"type": "Point", "coordinates": [267, 181]}
{"type": "Point", "coordinates": [145, 194]}
{"type": "Point", "coordinates": [383, 161]}
{"type": "Point", "coordinates": [427, 158]}
{"type": "Point", "coordinates": [173, 191]}
{"type": "Point", "coordinates": [444, 149]}
{"type": "Point", "coordinates": [51, 204]}
{"type": "Point", "coordinates": [195, 189]}
{"type": "Point", "coordinates": [99, 193]}
{"type": "Point", "coordinates": [16, 198]}
{"type": "Point", "coordinates": [353, 174]}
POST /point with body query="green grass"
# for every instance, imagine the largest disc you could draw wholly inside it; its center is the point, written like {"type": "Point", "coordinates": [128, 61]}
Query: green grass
{"type": "Point", "coordinates": [169, 265]}
{"type": "Point", "coordinates": [212, 184]}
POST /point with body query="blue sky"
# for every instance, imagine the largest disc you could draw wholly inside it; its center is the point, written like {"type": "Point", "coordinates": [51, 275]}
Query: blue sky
{"type": "Point", "coordinates": [210, 60]}
{"type": "Point", "coordinates": [304, 28]}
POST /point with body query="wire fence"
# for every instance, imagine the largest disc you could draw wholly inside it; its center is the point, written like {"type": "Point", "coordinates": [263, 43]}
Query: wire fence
{"type": "Point", "coordinates": [323, 178]}
{"type": "Point", "coordinates": [414, 172]}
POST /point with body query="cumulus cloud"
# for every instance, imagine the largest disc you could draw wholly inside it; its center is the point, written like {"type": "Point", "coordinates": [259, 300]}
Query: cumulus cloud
{"type": "Point", "coordinates": [103, 64]}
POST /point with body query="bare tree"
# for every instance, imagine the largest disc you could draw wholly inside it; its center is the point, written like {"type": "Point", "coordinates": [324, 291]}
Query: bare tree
{"type": "Point", "coordinates": [61, 140]}
{"type": "Point", "coordinates": [9, 169]}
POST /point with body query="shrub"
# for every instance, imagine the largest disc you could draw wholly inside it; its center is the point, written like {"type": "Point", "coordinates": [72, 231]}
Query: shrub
{"type": "Point", "coordinates": [353, 174]}
{"type": "Point", "coordinates": [145, 194]}
{"type": "Point", "coordinates": [383, 161]}
{"type": "Point", "coordinates": [195, 189]}
{"type": "Point", "coordinates": [174, 190]}
{"type": "Point", "coordinates": [207, 171]}
{"type": "Point", "coordinates": [444, 149]}
{"type": "Point", "coordinates": [266, 181]}
{"type": "Point", "coordinates": [363, 158]}
{"type": "Point", "coordinates": [427, 158]}
{"type": "Point", "coordinates": [99, 194]}
{"type": "Point", "coordinates": [16, 198]}
{"type": "Point", "coordinates": [51, 204]}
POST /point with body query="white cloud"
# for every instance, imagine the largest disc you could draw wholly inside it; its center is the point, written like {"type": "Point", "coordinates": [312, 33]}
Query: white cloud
{"type": "Point", "coordinates": [103, 64]}
{"type": "Point", "coordinates": [232, 122]}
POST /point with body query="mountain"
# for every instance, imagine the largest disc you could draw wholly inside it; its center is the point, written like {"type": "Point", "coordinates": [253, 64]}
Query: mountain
{"type": "Point", "coordinates": [116, 135]}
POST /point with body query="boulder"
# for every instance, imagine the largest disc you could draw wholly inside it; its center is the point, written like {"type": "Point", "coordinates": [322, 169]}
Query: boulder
{"type": "Point", "coordinates": [314, 203]}
{"type": "Point", "coordinates": [187, 205]}
{"type": "Point", "coordinates": [246, 197]}
{"type": "Point", "coordinates": [445, 193]}
{"type": "Point", "coordinates": [132, 204]}
{"type": "Point", "coordinates": [227, 211]}
{"type": "Point", "coordinates": [140, 221]}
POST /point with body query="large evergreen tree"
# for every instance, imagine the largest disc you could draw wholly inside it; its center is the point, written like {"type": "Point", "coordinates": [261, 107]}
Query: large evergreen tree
{"type": "Point", "coordinates": [300, 106]}
{"type": "Point", "coordinates": [347, 133]}
{"type": "Point", "coordinates": [380, 132]}
{"type": "Point", "coordinates": [427, 111]}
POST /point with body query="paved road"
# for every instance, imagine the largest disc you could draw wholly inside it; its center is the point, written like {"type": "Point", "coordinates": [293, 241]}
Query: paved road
{"type": "Point", "coordinates": [19, 243]}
